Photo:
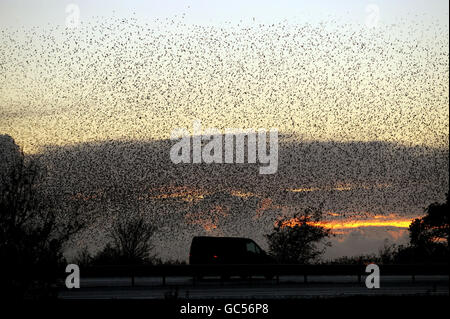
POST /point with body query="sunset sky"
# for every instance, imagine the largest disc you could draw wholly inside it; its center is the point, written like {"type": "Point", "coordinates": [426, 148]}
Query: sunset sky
{"type": "Point", "coordinates": [321, 71]}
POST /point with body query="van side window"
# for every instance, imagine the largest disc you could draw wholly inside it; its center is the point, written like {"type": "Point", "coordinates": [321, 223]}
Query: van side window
{"type": "Point", "coordinates": [251, 247]}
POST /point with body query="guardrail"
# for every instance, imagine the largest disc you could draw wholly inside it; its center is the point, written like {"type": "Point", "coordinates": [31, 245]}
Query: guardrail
{"type": "Point", "coordinates": [247, 270]}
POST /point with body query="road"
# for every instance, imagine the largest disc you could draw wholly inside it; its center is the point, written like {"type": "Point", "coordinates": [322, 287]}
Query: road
{"type": "Point", "coordinates": [288, 287]}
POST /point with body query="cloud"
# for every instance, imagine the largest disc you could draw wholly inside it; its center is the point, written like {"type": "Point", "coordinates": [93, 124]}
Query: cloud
{"type": "Point", "coordinates": [112, 178]}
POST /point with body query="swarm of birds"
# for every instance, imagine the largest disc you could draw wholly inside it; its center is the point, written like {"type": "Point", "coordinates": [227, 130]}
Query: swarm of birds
{"type": "Point", "coordinates": [362, 113]}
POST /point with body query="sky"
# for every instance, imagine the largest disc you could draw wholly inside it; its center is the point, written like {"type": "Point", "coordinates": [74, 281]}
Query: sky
{"type": "Point", "coordinates": [21, 12]}
{"type": "Point", "coordinates": [364, 79]}
{"type": "Point", "coordinates": [323, 74]}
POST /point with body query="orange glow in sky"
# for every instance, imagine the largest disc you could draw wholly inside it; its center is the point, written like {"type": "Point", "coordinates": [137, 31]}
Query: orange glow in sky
{"type": "Point", "coordinates": [376, 221]}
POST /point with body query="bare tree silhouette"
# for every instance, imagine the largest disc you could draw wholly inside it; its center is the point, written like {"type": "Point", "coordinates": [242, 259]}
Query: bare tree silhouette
{"type": "Point", "coordinates": [132, 239]}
